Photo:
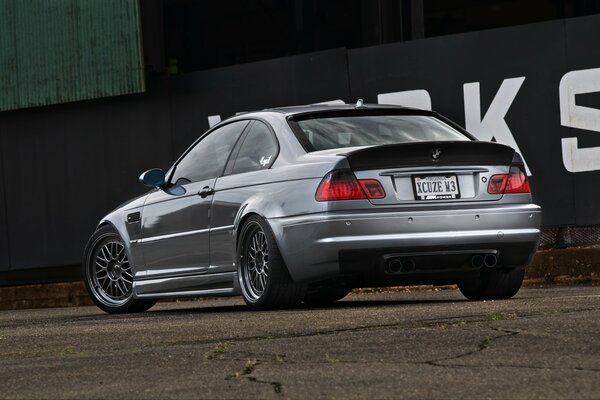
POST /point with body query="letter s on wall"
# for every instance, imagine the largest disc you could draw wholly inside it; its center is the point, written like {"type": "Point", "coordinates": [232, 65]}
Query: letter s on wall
{"type": "Point", "coordinates": [577, 159]}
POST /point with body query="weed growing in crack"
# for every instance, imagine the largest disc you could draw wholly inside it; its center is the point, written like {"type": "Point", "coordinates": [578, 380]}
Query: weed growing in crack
{"type": "Point", "coordinates": [277, 387]}
{"type": "Point", "coordinates": [249, 366]}
{"type": "Point", "coordinates": [498, 316]}
{"type": "Point", "coordinates": [484, 342]}
{"type": "Point", "coordinates": [458, 324]}
{"type": "Point", "coordinates": [220, 349]}
{"type": "Point", "coordinates": [330, 359]}
{"type": "Point", "coordinates": [233, 375]}
{"type": "Point", "coordinates": [551, 312]}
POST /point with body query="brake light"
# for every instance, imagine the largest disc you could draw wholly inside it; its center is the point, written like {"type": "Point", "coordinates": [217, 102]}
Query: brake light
{"type": "Point", "coordinates": [513, 182]}
{"type": "Point", "coordinates": [343, 185]}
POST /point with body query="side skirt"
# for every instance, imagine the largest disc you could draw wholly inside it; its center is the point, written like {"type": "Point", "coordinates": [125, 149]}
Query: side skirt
{"type": "Point", "coordinates": [221, 284]}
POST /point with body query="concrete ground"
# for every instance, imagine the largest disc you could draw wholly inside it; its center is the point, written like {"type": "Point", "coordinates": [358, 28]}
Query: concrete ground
{"type": "Point", "coordinates": [544, 343]}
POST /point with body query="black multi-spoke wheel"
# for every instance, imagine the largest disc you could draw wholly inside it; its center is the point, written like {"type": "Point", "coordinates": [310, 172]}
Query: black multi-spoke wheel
{"type": "Point", "coordinates": [108, 275]}
{"type": "Point", "coordinates": [263, 276]}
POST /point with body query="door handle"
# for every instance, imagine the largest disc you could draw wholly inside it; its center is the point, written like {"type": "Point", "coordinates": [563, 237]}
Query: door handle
{"type": "Point", "coordinates": [206, 191]}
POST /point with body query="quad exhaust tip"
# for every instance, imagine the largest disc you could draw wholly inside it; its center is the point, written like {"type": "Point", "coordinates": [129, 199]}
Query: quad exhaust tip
{"type": "Point", "coordinates": [403, 265]}
{"type": "Point", "coordinates": [484, 260]}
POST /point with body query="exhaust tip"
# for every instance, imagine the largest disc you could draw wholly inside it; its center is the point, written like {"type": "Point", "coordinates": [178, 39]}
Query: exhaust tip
{"type": "Point", "coordinates": [394, 266]}
{"type": "Point", "coordinates": [477, 261]}
{"type": "Point", "coordinates": [490, 260]}
{"type": "Point", "coordinates": [408, 265]}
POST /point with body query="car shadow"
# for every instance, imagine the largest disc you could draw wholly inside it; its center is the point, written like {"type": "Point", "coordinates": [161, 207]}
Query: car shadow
{"type": "Point", "coordinates": [197, 308]}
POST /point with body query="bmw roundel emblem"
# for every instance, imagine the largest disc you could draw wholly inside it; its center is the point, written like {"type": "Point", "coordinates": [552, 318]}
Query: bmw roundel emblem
{"type": "Point", "coordinates": [435, 154]}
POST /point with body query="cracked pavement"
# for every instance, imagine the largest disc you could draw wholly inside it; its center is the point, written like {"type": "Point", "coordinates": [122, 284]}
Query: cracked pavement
{"type": "Point", "coordinates": [544, 343]}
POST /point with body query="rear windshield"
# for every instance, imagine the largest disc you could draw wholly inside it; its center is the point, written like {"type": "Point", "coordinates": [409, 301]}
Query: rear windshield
{"type": "Point", "coordinates": [351, 131]}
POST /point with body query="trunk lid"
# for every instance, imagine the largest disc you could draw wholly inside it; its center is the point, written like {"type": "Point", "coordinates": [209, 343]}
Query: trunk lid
{"type": "Point", "coordinates": [431, 172]}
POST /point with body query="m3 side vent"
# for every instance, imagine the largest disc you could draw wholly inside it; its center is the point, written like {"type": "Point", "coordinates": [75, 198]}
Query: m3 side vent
{"type": "Point", "coordinates": [133, 217]}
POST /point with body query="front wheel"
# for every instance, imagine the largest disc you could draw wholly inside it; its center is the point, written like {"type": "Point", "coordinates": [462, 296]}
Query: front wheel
{"type": "Point", "coordinates": [493, 284]}
{"type": "Point", "coordinates": [264, 278]}
{"type": "Point", "coordinates": [107, 274]}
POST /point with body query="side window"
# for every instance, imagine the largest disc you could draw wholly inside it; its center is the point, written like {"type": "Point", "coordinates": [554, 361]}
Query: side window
{"type": "Point", "coordinates": [208, 157]}
{"type": "Point", "coordinates": [258, 150]}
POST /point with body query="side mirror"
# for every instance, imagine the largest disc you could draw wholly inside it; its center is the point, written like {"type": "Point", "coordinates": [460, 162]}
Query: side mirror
{"type": "Point", "coordinates": [153, 178]}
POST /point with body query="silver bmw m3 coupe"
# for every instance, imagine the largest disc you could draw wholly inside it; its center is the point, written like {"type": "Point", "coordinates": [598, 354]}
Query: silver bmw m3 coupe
{"type": "Point", "coordinates": [300, 205]}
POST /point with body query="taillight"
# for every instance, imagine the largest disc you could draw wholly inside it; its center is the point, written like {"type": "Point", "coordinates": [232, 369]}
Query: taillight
{"type": "Point", "coordinates": [513, 182]}
{"type": "Point", "coordinates": [343, 185]}
{"type": "Point", "coordinates": [372, 188]}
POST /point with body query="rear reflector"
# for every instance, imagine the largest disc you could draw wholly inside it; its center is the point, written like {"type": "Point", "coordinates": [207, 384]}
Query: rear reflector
{"type": "Point", "coordinates": [343, 185]}
{"type": "Point", "coordinates": [497, 184]}
{"type": "Point", "coordinates": [372, 188]}
{"type": "Point", "coordinates": [513, 182]}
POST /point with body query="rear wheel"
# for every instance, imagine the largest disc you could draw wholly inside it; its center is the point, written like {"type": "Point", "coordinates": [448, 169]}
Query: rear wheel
{"type": "Point", "coordinates": [108, 276]}
{"type": "Point", "coordinates": [264, 278]}
{"type": "Point", "coordinates": [493, 284]}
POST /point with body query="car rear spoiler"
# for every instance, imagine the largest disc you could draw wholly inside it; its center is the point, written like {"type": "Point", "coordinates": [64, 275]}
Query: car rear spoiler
{"type": "Point", "coordinates": [424, 154]}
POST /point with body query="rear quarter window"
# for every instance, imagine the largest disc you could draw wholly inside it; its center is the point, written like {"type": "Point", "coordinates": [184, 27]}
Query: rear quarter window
{"type": "Point", "coordinates": [258, 151]}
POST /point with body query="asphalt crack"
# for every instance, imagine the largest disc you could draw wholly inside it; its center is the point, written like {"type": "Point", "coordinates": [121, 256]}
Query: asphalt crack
{"type": "Point", "coordinates": [483, 344]}
{"type": "Point", "coordinates": [249, 368]}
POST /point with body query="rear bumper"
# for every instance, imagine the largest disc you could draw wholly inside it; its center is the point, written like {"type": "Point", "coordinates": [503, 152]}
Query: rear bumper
{"type": "Point", "coordinates": [321, 246]}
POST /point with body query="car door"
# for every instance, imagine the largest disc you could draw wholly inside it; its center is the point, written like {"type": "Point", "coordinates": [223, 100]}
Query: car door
{"type": "Point", "coordinates": [176, 221]}
{"type": "Point", "coordinates": [244, 177]}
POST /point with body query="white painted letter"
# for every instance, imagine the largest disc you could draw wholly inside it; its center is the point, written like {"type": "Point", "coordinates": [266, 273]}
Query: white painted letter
{"type": "Point", "coordinates": [492, 125]}
{"type": "Point", "coordinates": [574, 116]}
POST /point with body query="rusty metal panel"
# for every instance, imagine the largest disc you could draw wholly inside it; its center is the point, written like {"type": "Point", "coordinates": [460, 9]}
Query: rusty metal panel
{"type": "Point", "coordinates": [57, 51]}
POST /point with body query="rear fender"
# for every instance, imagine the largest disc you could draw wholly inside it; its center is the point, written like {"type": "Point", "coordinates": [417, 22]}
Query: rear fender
{"type": "Point", "coordinates": [272, 208]}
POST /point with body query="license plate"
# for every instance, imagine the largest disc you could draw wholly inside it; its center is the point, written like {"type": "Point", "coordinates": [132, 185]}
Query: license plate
{"type": "Point", "coordinates": [436, 187]}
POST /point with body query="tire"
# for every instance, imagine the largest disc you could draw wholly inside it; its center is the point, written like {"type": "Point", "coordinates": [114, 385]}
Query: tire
{"type": "Point", "coordinates": [325, 296]}
{"type": "Point", "coordinates": [107, 274]}
{"type": "Point", "coordinates": [264, 278]}
{"type": "Point", "coordinates": [493, 284]}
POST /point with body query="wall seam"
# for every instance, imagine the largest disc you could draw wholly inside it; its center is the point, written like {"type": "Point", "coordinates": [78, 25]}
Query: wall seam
{"type": "Point", "coordinates": [4, 196]}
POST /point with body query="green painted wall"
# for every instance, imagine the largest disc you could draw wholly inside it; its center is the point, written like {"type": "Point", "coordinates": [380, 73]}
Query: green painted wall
{"type": "Point", "coordinates": [56, 51]}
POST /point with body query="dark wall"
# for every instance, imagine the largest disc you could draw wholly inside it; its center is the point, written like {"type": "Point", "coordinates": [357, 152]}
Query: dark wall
{"type": "Point", "coordinates": [287, 81]}
{"type": "Point", "coordinates": [66, 166]}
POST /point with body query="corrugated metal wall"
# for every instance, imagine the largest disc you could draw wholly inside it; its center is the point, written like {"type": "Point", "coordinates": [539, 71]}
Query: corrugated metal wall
{"type": "Point", "coordinates": [56, 51]}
